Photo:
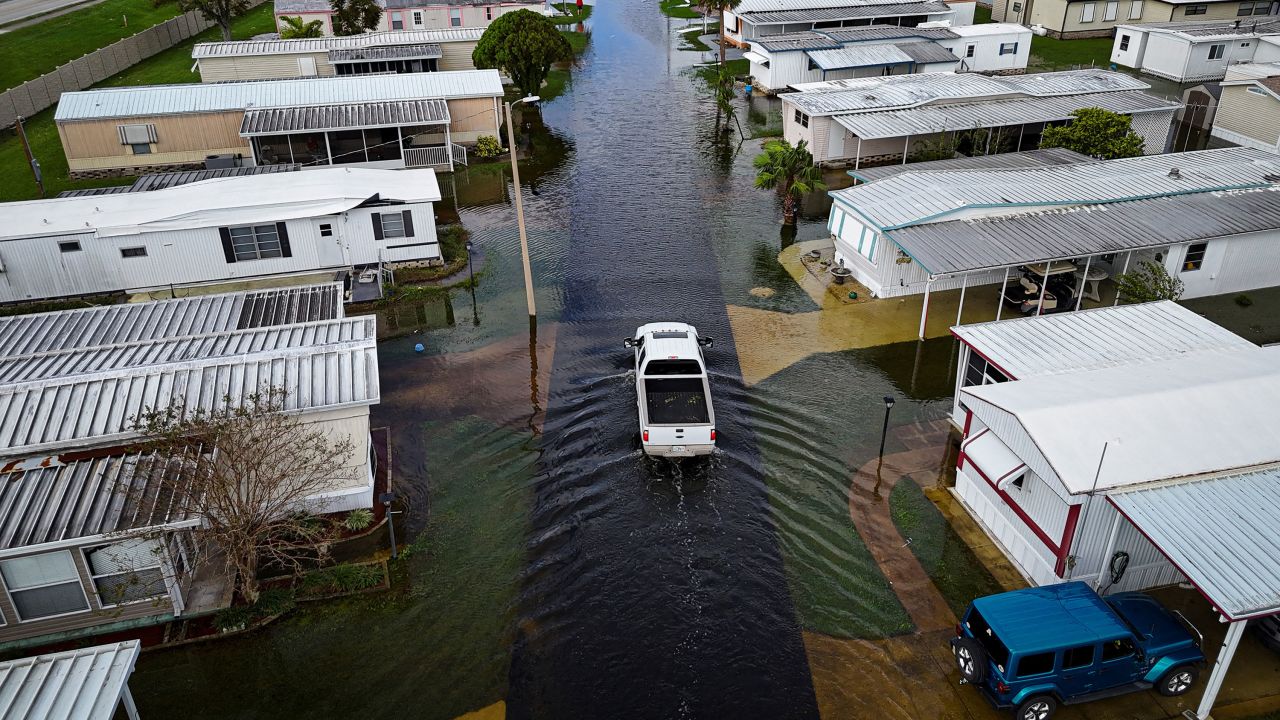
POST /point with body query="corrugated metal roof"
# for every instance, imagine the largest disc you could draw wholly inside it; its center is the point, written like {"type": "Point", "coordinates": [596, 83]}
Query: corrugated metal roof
{"type": "Point", "coordinates": [25, 335]}
{"type": "Point", "coordinates": [1223, 533]}
{"type": "Point", "coordinates": [160, 181]}
{"type": "Point", "coordinates": [751, 6]}
{"type": "Point", "coordinates": [1198, 31]}
{"type": "Point", "coordinates": [151, 100]}
{"type": "Point", "coordinates": [927, 52]}
{"type": "Point", "coordinates": [341, 117]}
{"type": "Point", "coordinates": [887, 32]}
{"type": "Point", "coordinates": [1160, 420]}
{"type": "Point", "coordinates": [1027, 158]}
{"type": "Point", "coordinates": [88, 497]}
{"type": "Point", "coordinates": [786, 42]}
{"type": "Point", "coordinates": [945, 117]}
{"type": "Point", "coordinates": [836, 97]}
{"type": "Point", "coordinates": [399, 52]}
{"type": "Point", "coordinates": [1102, 337]}
{"type": "Point", "coordinates": [82, 684]}
{"type": "Point", "coordinates": [968, 245]}
{"type": "Point", "coordinates": [855, 56]}
{"type": "Point", "coordinates": [88, 192]}
{"type": "Point", "coordinates": [330, 43]}
{"type": "Point", "coordinates": [853, 12]}
{"type": "Point", "coordinates": [912, 198]}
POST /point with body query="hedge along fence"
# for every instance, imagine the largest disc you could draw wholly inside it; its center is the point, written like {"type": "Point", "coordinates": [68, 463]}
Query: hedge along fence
{"type": "Point", "coordinates": [35, 95]}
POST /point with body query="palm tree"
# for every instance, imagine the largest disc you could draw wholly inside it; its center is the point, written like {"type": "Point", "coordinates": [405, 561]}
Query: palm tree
{"type": "Point", "coordinates": [718, 7]}
{"type": "Point", "coordinates": [790, 171]}
{"type": "Point", "coordinates": [293, 28]}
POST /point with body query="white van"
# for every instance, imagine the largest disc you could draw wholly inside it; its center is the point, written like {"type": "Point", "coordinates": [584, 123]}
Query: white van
{"type": "Point", "coordinates": [672, 394]}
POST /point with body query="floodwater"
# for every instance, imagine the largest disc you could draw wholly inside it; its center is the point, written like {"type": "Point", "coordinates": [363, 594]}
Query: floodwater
{"type": "Point", "coordinates": [550, 564]}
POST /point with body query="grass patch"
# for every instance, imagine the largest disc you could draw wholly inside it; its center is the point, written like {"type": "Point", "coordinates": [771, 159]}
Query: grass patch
{"type": "Point", "coordinates": [948, 561]}
{"type": "Point", "coordinates": [270, 602]}
{"type": "Point", "coordinates": [1050, 54]}
{"type": "Point", "coordinates": [453, 246]}
{"type": "Point", "coordinates": [739, 68]}
{"type": "Point", "coordinates": [572, 15]}
{"type": "Point", "coordinates": [577, 40]}
{"type": "Point", "coordinates": [31, 51]}
{"type": "Point", "coordinates": [981, 15]}
{"type": "Point", "coordinates": [165, 68]}
{"type": "Point", "coordinates": [693, 40]}
{"type": "Point", "coordinates": [678, 9]}
{"type": "Point", "coordinates": [557, 82]}
{"type": "Point", "coordinates": [45, 306]}
{"type": "Point", "coordinates": [341, 579]}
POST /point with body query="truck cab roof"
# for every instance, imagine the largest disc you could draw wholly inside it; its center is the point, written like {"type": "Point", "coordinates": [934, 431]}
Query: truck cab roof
{"type": "Point", "coordinates": [669, 341]}
{"type": "Point", "coordinates": [1047, 618]}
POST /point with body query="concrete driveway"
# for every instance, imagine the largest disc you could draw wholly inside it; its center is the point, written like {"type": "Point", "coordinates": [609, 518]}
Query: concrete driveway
{"type": "Point", "coordinates": [11, 11]}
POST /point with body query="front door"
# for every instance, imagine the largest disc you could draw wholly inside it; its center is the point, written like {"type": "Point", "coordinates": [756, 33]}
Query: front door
{"type": "Point", "coordinates": [1118, 664]}
{"type": "Point", "coordinates": [331, 250]}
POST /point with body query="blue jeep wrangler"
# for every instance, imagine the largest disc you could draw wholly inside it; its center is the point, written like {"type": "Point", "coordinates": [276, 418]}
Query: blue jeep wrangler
{"type": "Point", "coordinates": [1035, 649]}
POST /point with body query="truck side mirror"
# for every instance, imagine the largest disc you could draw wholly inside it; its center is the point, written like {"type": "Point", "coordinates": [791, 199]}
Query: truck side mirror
{"type": "Point", "coordinates": [629, 343]}
{"type": "Point", "coordinates": [706, 341]}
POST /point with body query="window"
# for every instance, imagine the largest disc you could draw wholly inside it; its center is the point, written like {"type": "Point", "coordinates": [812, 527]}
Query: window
{"type": "Point", "coordinates": [132, 252]}
{"type": "Point", "coordinates": [69, 246]}
{"type": "Point", "coordinates": [1017, 7]}
{"type": "Point", "coordinates": [254, 242]}
{"type": "Point", "coordinates": [488, 12]}
{"type": "Point", "coordinates": [980, 372]}
{"type": "Point", "coordinates": [1037, 664]}
{"type": "Point", "coordinates": [1009, 48]}
{"type": "Point", "coordinates": [1135, 9]}
{"type": "Point", "coordinates": [141, 149]}
{"type": "Point", "coordinates": [675, 401]}
{"type": "Point", "coordinates": [326, 230]}
{"type": "Point", "coordinates": [991, 642]}
{"type": "Point", "coordinates": [1117, 649]}
{"type": "Point", "coordinates": [1124, 42]}
{"type": "Point", "coordinates": [1109, 10]}
{"type": "Point", "coordinates": [1196, 9]}
{"type": "Point", "coordinates": [1244, 44]}
{"type": "Point", "coordinates": [126, 572]}
{"type": "Point", "coordinates": [1195, 256]}
{"type": "Point", "coordinates": [417, 18]}
{"type": "Point", "coordinates": [1246, 8]}
{"type": "Point", "coordinates": [801, 119]}
{"type": "Point", "coordinates": [397, 21]}
{"type": "Point", "coordinates": [44, 586]}
{"type": "Point", "coordinates": [969, 50]}
{"type": "Point", "coordinates": [1217, 51]}
{"type": "Point", "coordinates": [1077, 657]}
{"type": "Point", "coordinates": [393, 225]}
{"type": "Point", "coordinates": [1086, 13]}
{"type": "Point", "coordinates": [1256, 90]}
{"type": "Point", "coordinates": [136, 134]}
{"type": "Point", "coordinates": [455, 17]}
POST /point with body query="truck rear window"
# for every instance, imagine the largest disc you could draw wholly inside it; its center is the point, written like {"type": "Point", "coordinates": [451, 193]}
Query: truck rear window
{"type": "Point", "coordinates": [996, 650]}
{"type": "Point", "coordinates": [673, 401]}
{"type": "Point", "coordinates": [673, 367]}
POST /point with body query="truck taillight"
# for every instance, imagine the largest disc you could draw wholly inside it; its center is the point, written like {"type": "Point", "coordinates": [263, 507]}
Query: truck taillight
{"type": "Point", "coordinates": [645, 435]}
{"type": "Point", "coordinates": [713, 435]}
{"type": "Point", "coordinates": [959, 630]}
{"type": "Point", "coordinates": [1002, 688]}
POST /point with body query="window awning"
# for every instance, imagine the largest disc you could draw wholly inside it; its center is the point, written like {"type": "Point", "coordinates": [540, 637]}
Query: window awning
{"type": "Point", "coordinates": [1222, 532]}
{"type": "Point", "coordinates": [85, 684]}
{"type": "Point", "coordinates": [993, 459]}
{"type": "Point", "coordinates": [398, 113]}
{"type": "Point", "coordinates": [422, 51]}
{"type": "Point", "coordinates": [756, 58]}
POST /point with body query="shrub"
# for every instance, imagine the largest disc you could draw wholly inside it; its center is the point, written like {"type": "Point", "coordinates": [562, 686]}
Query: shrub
{"type": "Point", "coordinates": [270, 602]}
{"type": "Point", "coordinates": [488, 147]}
{"type": "Point", "coordinates": [1149, 282]}
{"type": "Point", "coordinates": [342, 579]}
{"type": "Point", "coordinates": [1243, 300]}
{"type": "Point", "coordinates": [358, 519]}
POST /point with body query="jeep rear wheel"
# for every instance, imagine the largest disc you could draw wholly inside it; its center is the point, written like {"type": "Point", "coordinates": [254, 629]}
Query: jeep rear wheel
{"type": "Point", "coordinates": [1038, 707]}
{"type": "Point", "coordinates": [971, 659]}
{"type": "Point", "coordinates": [1177, 681]}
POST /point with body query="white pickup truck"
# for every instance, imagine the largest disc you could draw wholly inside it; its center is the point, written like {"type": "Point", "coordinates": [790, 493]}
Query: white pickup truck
{"type": "Point", "coordinates": [674, 399]}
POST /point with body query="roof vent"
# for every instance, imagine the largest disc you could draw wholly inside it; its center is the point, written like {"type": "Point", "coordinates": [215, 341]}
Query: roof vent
{"type": "Point", "coordinates": [1175, 173]}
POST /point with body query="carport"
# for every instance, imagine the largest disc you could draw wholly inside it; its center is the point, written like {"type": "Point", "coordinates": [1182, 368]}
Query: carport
{"type": "Point", "coordinates": [1223, 534]}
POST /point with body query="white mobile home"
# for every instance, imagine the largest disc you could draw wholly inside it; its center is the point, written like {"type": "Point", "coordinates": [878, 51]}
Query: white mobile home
{"type": "Point", "coordinates": [88, 542]}
{"type": "Point", "coordinates": [780, 61]}
{"type": "Point", "coordinates": [754, 19]}
{"type": "Point", "coordinates": [1191, 51]}
{"type": "Point", "coordinates": [1212, 218]}
{"type": "Point", "coordinates": [370, 53]}
{"type": "Point", "coordinates": [1248, 109]}
{"type": "Point", "coordinates": [879, 120]}
{"type": "Point", "coordinates": [216, 231]}
{"type": "Point", "coordinates": [414, 14]}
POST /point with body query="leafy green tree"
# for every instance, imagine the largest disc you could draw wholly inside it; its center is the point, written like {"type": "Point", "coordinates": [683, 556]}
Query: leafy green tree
{"type": "Point", "coordinates": [1147, 283]}
{"type": "Point", "coordinates": [1097, 133]}
{"type": "Point", "coordinates": [718, 7]}
{"type": "Point", "coordinates": [354, 17]}
{"type": "Point", "coordinates": [293, 28]}
{"type": "Point", "coordinates": [790, 171]}
{"type": "Point", "coordinates": [219, 12]}
{"type": "Point", "coordinates": [524, 45]}
{"type": "Point", "coordinates": [721, 82]}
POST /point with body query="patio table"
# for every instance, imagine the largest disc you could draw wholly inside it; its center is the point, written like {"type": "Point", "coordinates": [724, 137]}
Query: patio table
{"type": "Point", "coordinates": [1095, 276]}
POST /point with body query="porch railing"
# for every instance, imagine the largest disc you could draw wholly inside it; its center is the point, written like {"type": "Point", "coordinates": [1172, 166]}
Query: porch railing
{"type": "Point", "coordinates": [459, 153]}
{"type": "Point", "coordinates": [432, 156]}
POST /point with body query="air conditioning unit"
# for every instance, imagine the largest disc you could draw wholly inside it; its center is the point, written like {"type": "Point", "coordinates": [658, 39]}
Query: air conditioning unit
{"type": "Point", "coordinates": [220, 162]}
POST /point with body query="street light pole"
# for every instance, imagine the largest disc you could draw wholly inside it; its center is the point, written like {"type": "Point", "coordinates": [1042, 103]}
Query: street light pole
{"type": "Point", "coordinates": [387, 498]}
{"type": "Point", "coordinates": [888, 405]}
{"type": "Point", "coordinates": [524, 239]}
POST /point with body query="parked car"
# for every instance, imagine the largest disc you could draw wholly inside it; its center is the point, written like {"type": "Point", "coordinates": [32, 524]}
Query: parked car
{"type": "Point", "coordinates": [672, 393]}
{"type": "Point", "coordinates": [1035, 649]}
{"type": "Point", "coordinates": [1268, 631]}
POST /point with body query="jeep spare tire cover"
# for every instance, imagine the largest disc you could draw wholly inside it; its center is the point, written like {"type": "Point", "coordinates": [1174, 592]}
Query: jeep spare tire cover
{"type": "Point", "coordinates": [971, 659]}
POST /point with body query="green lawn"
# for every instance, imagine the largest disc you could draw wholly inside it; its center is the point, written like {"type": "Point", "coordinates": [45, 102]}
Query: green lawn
{"type": "Point", "coordinates": [678, 9]}
{"type": "Point", "coordinates": [572, 14]}
{"type": "Point", "coordinates": [168, 67]}
{"type": "Point", "coordinates": [1050, 54]}
{"type": "Point", "coordinates": [577, 40]}
{"type": "Point", "coordinates": [31, 51]}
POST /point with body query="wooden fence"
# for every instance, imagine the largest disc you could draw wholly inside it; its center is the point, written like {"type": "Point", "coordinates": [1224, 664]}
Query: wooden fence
{"type": "Point", "coordinates": [35, 95]}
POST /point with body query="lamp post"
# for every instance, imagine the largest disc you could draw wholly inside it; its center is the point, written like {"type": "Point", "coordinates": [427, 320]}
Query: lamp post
{"type": "Point", "coordinates": [888, 405]}
{"type": "Point", "coordinates": [515, 181]}
{"type": "Point", "coordinates": [475, 309]}
{"type": "Point", "coordinates": [387, 498]}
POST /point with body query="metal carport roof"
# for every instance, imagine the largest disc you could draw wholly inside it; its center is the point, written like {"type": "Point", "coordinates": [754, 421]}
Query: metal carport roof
{"type": "Point", "coordinates": [84, 684]}
{"type": "Point", "coordinates": [398, 113]}
{"type": "Point", "coordinates": [421, 51]}
{"type": "Point", "coordinates": [1222, 532]}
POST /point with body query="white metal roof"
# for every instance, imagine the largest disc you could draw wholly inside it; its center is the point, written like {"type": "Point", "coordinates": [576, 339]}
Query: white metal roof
{"type": "Point", "coordinates": [231, 200]}
{"type": "Point", "coordinates": [1160, 420]}
{"type": "Point", "coordinates": [1223, 533]}
{"type": "Point", "coordinates": [912, 198]}
{"type": "Point", "coordinates": [862, 55]}
{"type": "Point", "coordinates": [83, 684]}
{"type": "Point", "coordinates": [754, 6]}
{"type": "Point", "coordinates": [835, 97]}
{"type": "Point", "coordinates": [153, 100]}
{"type": "Point", "coordinates": [988, 29]}
{"type": "Point", "coordinates": [1211, 29]}
{"type": "Point", "coordinates": [334, 42]}
{"type": "Point", "coordinates": [1102, 337]}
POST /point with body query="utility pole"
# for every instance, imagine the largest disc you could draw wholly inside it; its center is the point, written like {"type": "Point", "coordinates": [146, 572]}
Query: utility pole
{"type": "Point", "coordinates": [524, 239]}
{"type": "Point", "coordinates": [31, 159]}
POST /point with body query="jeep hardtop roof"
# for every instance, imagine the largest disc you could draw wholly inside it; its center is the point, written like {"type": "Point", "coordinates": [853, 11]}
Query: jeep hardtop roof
{"type": "Point", "coordinates": [1051, 617]}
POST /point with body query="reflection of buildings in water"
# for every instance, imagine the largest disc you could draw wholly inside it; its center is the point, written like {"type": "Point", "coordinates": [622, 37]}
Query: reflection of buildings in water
{"type": "Point", "coordinates": [429, 313]}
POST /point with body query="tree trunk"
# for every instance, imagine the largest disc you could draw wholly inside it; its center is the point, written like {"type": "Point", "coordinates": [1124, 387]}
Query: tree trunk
{"type": "Point", "coordinates": [720, 33]}
{"type": "Point", "coordinates": [248, 571]}
{"type": "Point", "coordinates": [225, 26]}
{"type": "Point", "coordinates": [789, 209]}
